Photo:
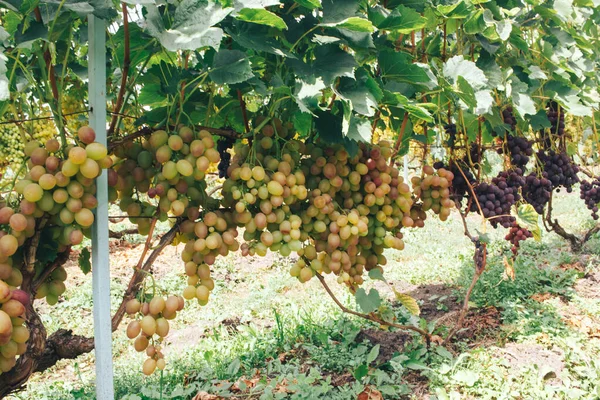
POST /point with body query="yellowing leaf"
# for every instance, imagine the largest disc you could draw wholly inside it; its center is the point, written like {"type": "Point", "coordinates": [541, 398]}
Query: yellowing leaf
{"type": "Point", "coordinates": [407, 301]}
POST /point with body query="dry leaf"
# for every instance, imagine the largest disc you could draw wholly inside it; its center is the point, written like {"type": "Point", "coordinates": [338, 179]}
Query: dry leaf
{"type": "Point", "coordinates": [205, 396]}
{"type": "Point", "coordinates": [370, 394]}
{"type": "Point", "coordinates": [509, 270]}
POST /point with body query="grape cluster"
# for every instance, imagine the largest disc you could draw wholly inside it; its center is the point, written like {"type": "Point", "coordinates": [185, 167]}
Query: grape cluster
{"type": "Point", "coordinates": [222, 146]}
{"type": "Point", "coordinates": [344, 192]}
{"type": "Point", "coordinates": [450, 130]}
{"type": "Point", "coordinates": [520, 150]}
{"type": "Point", "coordinates": [215, 234]}
{"type": "Point", "coordinates": [169, 168]}
{"type": "Point", "coordinates": [480, 255]}
{"type": "Point", "coordinates": [537, 191]}
{"type": "Point", "coordinates": [460, 187]}
{"type": "Point", "coordinates": [509, 118]}
{"type": "Point", "coordinates": [152, 327]}
{"type": "Point", "coordinates": [13, 332]}
{"type": "Point", "coordinates": [516, 235]}
{"type": "Point", "coordinates": [53, 287]}
{"type": "Point", "coordinates": [11, 153]}
{"type": "Point", "coordinates": [72, 103]}
{"type": "Point", "coordinates": [557, 126]}
{"type": "Point", "coordinates": [590, 194]}
{"type": "Point", "coordinates": [497, 198]}
{"type": "Point", "coordinates": [433, 190]}
{"type": "Point", "coordinates": [59, 187]}
{"type": "Point", "coordinates": [562, 172]}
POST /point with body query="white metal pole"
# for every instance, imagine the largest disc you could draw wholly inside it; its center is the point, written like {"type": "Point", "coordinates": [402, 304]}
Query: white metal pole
{"type": "Point", "coordinates": [100, 260]}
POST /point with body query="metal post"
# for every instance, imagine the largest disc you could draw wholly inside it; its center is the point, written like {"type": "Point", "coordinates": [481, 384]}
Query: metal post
{"type": "Point", "coordinates": [100, 261]}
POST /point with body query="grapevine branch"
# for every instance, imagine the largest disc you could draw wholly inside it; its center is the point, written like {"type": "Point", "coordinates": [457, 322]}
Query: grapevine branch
{"type": "Point", "coordinates": [400, 136]}
{"type": "Point", "coordinates": [244, 113]}
{"type": "Point", "coordinates": [552, 225]}
{"type": "Point", "coordinates": [478, 271]}
{"type": "Point", "coordinates": [371, 317]}
{"type": "Point", "coordinates": [124, 71]}
{"type": "Point", "coordinates": [146, 131]}
{"type": "Point", "coordinates": [143, 268]}
{"type": "Point", "coordinates": [19, 121]}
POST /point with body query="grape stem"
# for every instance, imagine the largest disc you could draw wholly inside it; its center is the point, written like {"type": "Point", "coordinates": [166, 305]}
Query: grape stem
{"type": "Point", "coordinates": [371, 317]}
{"type": "Point", "coordinates": [143, 267]}
{"type": "Point", "coordinates": [399, 140]}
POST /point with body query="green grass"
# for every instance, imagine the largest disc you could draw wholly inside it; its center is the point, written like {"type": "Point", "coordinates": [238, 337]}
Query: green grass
{"type": "Point", "coordinates": [293, 336]}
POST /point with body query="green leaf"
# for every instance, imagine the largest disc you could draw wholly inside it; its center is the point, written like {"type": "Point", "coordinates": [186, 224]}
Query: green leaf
{"type": "Point", "coordinates": [230, 66]}
{"type": "Point", "coordinates": [302, 123]}
{"type": "Point", "coordinates": [359, 95]}
{"type": "Point", "coordinates": [84, 261]}
{"type": "Point", "coordinates": [377, 274]}
{"type": "Point", "coordinates": [329, 127]}
{"type": "Point", "coordinates": [457, 66]}
{"type": "Point", "coordinates": [359, 130]}
{"type": "Point", "coordinates": [399, 67]}
{"type": "Point", "coordinates": [475, 23]}
{"type": "Point", "coordinates": [310, 4]}
{"type": "Point", "coordinates": [408, 302]}
{"type": "Point", "coordinates": [353, 24]}
{"type": "Point", "coordinates": [307, 94]}
{"type": "Point", "coordinates": [372, 356]}
{"type": "Point", "coordinates": [361, 372]}
{"type": "Point", "coordinates": [368, 302]}
{"type": "Point", "coordinates": [465, 92]}
{"type": "Point", "coordinates": [256, 37]}
{"type": "Point", "coordinates": [539, 121]}
{"type": "Point", "coordinates": [524, 104]}
{"type": "Point", "coordinates": [335, 11]}
{"type": "Point", "coordinates": [12, 5]}
{"type": "Point", "coordinates": [234, 367]}
{"type": "Point", "coordinates": [403, 20]}
{"type": "Point", "coordinates": [332, 62]}
{"type": "Point", "coordinates": [527, 217]}
{"type": "Point", "coordinates": [4, 89]}
{"type": "Point", "coordinates": [35, 31]}
{"type": "Point", "coordinates": [192, 26]}
{"type": "Point", "coordinates": [262, 17]}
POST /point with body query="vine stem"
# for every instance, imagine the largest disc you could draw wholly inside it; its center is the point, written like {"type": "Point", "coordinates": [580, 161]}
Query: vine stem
{"type": "Point", "coordinates": [399, 140]}
{"type": "Point", "coordinates": [244, 113]}
{"type": "Point", "coordinates": [371, 317]}
{"type": "Point", "coordinates": [124, 71]}
{"type": "Point", "coordinates": [145, 131]}
{"type": "Point", "coordinates": [478, 272]}
{"type": "Point", "coordinates": [471, 189]}
{"type": "Point", "coordinates": [141, 270]}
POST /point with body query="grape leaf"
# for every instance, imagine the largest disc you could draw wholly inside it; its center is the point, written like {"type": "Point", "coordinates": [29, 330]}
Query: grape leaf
{"type": "Point", "coordinates": [359, 130]}
{"type": "Point", "coordinates": [527, 217]}
{"type": "Point", "coordinates": [262, 17]}
{"type": "Point", "coordinates": [368, 302]}
{"type": "Point", "coordinates": [230, 66]}
{"type": "Point", "coordinates": [339, 10]}
{"type": "Point", "coordinates": [408, 302]}
{"type": "Point", "coordinates": [465, 92]}
{"type": "Point", "coordinates": [468, 70]}
{"type": "Point", "coordinates": [310, 4]}
{"type": "Point", "coordinates": [377, 274]}
{"type": "Point", "coordinates": [84, 261]}
{"type": "Point", "coordinates": [398, 66]}
{"type": "Point", "coordinates": [192, 26]}
{"type": "Point", "coordinates": [403, 20]}
{"type": "Point", "coordinates": [353, 24]}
